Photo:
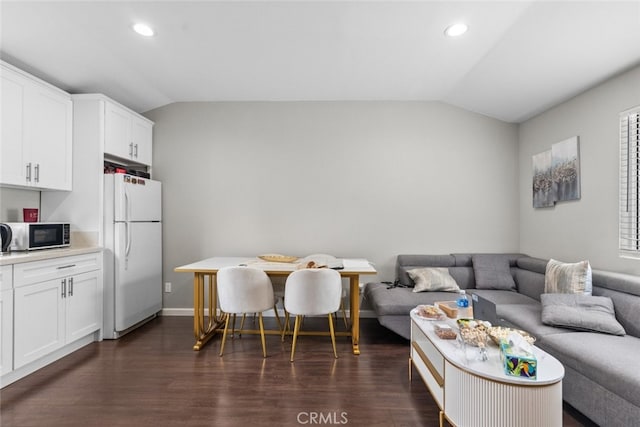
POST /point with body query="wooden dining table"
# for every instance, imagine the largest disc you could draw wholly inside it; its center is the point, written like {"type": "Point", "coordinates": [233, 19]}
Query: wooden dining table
{"type": "Point", "coordinates": [207, 324]}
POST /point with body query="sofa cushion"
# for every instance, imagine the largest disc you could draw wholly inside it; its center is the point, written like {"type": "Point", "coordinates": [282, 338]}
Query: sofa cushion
{"type": "Point", "coordinates": [400, 324]}
{"type": "Point", "coordinates": [432, 279]}
{"type": "Point", "coordinates": [624, 291]}
{"type": "Point", "coordinates": [622, 282]}
{"type": "Point", "coordinates": [463, 276]}
{"type": "Point", "coordinates": [568, 278]}
{"type": "Point", "coordinates": [529, 283]}
{"type": "Point", "coordinates": [580, 312]}
{"type": "Point", "coordinates": [626, 306]}
{"type": "Point", "coordinates": [609, 360]}
{"type": "Point", "coordinates": [537, 265]}
{"type": "Point", "coordinates": [528, 318]}
{"type": "Point", "coordinates": [492, 272]}
{"type": "Point", "coordinates": [404, 263]}
{"type": "Point", "coordinates": [597, 401]}
{"type": "Point", "coordinates": [399, 300]}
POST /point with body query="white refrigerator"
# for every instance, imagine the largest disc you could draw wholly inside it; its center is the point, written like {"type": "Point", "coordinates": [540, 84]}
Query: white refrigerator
{"type": "Point", "coordinates": [133, 252]}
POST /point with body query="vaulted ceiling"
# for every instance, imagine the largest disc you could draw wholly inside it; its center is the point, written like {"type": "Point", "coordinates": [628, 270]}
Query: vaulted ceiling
{"type": "Point", "coordinates": [517, 59]}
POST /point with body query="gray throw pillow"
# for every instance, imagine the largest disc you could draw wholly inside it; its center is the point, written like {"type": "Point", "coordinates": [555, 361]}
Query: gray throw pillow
{"type": "Point", "coordinates": [581, 312]}
{"type": "Point", "coordinates": [493, 272]}
{"type": "Point", "coordinates": [568, 278]}
{"type": "Point", "coordinates": [432, 279]}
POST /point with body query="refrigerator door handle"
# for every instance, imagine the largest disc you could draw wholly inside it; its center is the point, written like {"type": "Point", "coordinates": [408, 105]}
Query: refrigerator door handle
{"type": "Point", "coordinates": [127, 247]}
{"type": "Point", "coordinates": [127, 208]}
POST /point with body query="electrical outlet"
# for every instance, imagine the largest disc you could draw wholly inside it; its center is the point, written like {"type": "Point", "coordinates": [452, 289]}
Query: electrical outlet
{"type": "Point", "coordinates": [167, 286]}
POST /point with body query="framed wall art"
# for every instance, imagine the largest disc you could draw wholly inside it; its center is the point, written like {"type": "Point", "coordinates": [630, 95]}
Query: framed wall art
{"type": "Point", "coordinates": [556, 174]}
{"type": "Point", "coordinates": [543, 194]}
{"type": "Point", "coordinates": [565, 169]}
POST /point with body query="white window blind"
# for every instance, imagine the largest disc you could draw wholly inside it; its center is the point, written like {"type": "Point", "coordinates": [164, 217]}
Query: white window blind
{"type": "Point", "coordinates": [630, 183]}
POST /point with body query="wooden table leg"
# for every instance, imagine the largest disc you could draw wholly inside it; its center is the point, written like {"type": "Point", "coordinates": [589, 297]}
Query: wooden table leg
{"type": "Point", "coordinates": [354, 310]}
{"type": "Point", "coordinates": [198, 309]}
{"type": "Point", "coordinates": [201, 333]}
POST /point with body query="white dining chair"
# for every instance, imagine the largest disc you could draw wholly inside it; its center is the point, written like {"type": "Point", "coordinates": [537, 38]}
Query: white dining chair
{"type": "Point", "coordinates": [312, 292]}
{"type": "Point", "coordinates": [328, 261]}
{"type": "Point", "coordinates": [243, 290]}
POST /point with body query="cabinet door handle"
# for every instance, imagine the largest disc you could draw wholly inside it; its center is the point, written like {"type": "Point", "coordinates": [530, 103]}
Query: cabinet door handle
{"type": "Point", "coordinates": [65, 266]}
{"type": "Point", "coordinates": [64, 288]}
{"type": "Point", "coordinates": [131, 149]}
{"type": "Point", "coordinates": [135, 152]}
{"type": "Point", "coordinates": [37, 172]}
{"type": "Point", "coordinates": [70, 286]}
{"type": "Point", "coordinates": [28, 172]}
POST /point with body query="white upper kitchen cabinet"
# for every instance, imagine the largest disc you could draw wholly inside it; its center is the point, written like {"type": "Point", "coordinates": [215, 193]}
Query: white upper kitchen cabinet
{"type": "Point", "coordinates": [98, 123]}
{"type": "Point", "coordinates": [13, 157]}
{"type": "Point", "coordinates": [127, 135]}
{"type": "Point", "coordinates": [142, 134]}
{"type": "Point", "coordinates": [36, 150]}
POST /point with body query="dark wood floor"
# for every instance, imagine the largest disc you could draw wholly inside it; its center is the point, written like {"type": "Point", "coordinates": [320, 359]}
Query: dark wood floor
{"type": "Point", "coordinates": [152, 377]}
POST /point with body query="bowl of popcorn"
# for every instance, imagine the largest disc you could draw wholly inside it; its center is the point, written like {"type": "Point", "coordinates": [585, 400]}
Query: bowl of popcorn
{"type": "Point", "coordinates": [500, 333]}
{"type": "Point", "coordinates": [474, 332]}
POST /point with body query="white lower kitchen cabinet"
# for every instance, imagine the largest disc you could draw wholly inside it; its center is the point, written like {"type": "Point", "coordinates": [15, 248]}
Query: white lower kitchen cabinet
{"type": "Point", "coordinates": [6, 329]}
{"type": "Point", "coordinates": [39, 321]}
{"type": "Point", "coordinates": [6, 319]}
{"type": "Point", "coordinates": [57, 309]}
{"type": "Point", "coordinates": [83, 310]}
{"type": "Point", "coordinates": [54, 313]}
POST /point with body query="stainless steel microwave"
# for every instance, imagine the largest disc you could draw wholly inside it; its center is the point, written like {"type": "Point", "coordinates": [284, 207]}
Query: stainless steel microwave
{"type": "Point", "coordinates": [28, 236]}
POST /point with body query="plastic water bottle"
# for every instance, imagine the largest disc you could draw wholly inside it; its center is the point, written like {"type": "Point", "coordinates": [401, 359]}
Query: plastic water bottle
{"type": "Point", "coordinates": [463, 304]}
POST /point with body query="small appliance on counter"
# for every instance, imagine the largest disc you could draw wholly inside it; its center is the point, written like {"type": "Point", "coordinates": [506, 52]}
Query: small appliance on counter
{"type": "Point", "coordinates": [5, 237]}
{"type": "Point", "coordinates": [28, 236]}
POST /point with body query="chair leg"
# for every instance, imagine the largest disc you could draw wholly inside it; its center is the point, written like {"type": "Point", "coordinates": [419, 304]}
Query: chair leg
{"type": "Point", "coordinates": [296, 329]}
{"type": "Point", "coordinates": [224, 335]}
{"type": "Point", "coordinates": [286, 324]}
{"type": "Point", "coordinates": [344, 315]}
{"type": "Point", "coordinates": [333, 335]}
{"type": "Point", "coordinates": [233, 327]}
{"type": "Point", "coordinates": [275, 310]}
{"type": "Point", "coordinates": [244, 316]}
{"type": "Point", "coordinates": [264, 345]}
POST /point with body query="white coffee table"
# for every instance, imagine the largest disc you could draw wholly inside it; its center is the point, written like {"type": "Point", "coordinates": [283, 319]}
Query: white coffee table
{"type": "Point", "coordinates": [471, 392]}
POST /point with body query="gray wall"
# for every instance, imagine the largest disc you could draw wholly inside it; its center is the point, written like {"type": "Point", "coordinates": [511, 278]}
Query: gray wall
{"type": "Point", "coordinates": [587, 228]}
{"type": "Point", "coordinates": [355, 179]}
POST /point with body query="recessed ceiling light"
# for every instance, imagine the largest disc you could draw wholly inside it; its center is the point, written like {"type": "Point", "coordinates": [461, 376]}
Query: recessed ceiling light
{"type": "Point", "coordinates": [456, 30]}
{"type": "Point", "coordinates": [143, 29]}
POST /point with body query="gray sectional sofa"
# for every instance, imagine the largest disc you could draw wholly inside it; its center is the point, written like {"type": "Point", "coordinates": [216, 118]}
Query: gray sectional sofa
{"type": "Point", "coordinates": [602, 371]}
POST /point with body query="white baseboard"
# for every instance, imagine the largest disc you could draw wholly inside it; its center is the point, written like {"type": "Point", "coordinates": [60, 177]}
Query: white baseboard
{"type": "Point", "coordinates": [189, 312]}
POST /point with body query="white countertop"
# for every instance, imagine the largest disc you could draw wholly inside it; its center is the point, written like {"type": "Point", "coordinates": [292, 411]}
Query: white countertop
{"type": "Point", "coordinates": [42, 254]}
